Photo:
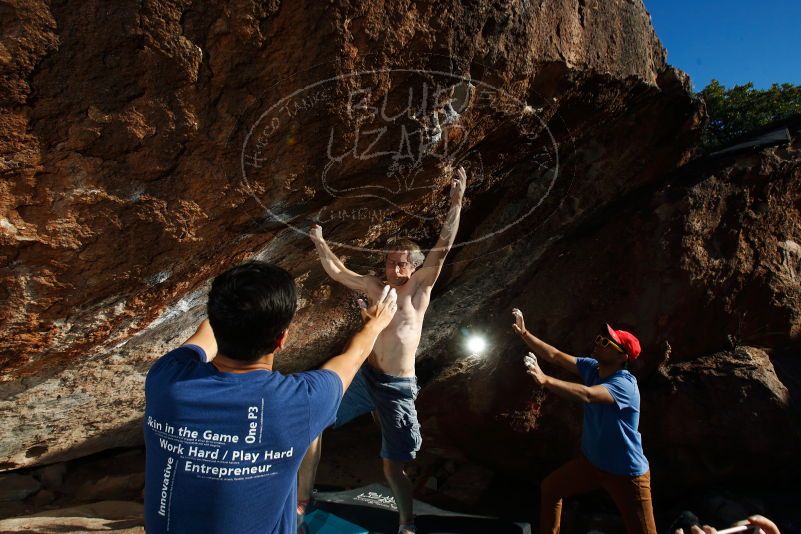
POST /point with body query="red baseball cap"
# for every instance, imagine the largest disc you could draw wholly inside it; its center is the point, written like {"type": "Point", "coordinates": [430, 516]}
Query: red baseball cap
{"type": "Point", "coordinates": [627, 341]}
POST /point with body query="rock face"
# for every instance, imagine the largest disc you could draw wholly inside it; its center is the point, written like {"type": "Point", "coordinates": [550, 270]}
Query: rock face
{"type": "Point", "coordinates": [700, 269]}
{"type": "Point", "coordinates": [17, 487]}
{"type": "Point", "coordinates": [124, 131]}
{"type": "Point", "coordinates": [147, 148]}
{"type": "Point", "coordinates": [75, 486]}
{"type": "Point", "coordinates": [695, 434]}
{"type": "Point", "coordinates": [106, 516]}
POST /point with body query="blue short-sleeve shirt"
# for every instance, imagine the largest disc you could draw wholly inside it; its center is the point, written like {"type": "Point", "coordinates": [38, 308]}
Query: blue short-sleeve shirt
{"type": "Point", "coordinates": [223, 449]}
{"type": "Point", "coordinates": [609, 438]}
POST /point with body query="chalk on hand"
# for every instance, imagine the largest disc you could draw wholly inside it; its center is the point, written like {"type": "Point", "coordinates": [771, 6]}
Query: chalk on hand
{"type": "Point", "coordinates": [384, 293]}
{"type": "Point", "coordinates": [516, 312]}
{"type": "Point", "coordinates": [530, 360]}
{"type": "Point", "coordinates": [362, 304]}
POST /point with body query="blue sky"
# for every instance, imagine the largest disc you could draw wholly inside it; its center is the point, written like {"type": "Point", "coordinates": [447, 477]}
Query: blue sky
{"type": "Point", "coordinates": [733, 41]}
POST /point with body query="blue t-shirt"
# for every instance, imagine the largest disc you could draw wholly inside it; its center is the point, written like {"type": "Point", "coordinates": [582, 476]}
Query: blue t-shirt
{"type": "Point", "coordinates": [609, 438]}
{"type": "Point", "coordinates": [223, 449]}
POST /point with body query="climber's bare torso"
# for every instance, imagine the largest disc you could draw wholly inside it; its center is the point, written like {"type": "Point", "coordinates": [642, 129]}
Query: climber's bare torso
{"type": "Point", "coordinates": [395, 348]}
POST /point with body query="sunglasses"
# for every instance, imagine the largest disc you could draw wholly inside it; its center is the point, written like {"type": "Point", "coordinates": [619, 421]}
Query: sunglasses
{"type": "Point", "coordinates": [605, 342]}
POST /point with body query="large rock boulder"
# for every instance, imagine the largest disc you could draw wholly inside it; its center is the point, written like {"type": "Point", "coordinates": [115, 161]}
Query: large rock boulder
{"type": "Point", "coordinates": [722, 418]}
{"type": "Point", "coordinates": [147, 148]}
{"type": "Point", "coordinates": [699, 268]}
{"type": "Point", "coordinates": [105, 516]}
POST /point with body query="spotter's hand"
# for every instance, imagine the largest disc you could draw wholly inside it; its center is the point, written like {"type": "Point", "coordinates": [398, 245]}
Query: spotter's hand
{"type": "Point", "coordinates": [533, 369]}
{"type": "Point", "coordinates": [383, 310]}
{"type": "Point", "coordinates": [520, 324]}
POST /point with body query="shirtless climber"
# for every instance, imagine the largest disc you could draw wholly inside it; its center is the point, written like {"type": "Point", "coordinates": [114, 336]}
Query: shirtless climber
{"type": "Point", "coordinates": [387, 383]}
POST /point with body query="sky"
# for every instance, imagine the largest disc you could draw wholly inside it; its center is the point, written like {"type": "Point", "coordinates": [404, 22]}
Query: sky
{"type": "Point", "coordinates": [732, 41]}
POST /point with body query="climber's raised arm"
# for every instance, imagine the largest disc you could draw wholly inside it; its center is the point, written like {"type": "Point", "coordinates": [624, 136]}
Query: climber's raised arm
{"type": "Point", "coordinates": [427, 274]}
{"type": "Point", "coordinates": [337, 270]}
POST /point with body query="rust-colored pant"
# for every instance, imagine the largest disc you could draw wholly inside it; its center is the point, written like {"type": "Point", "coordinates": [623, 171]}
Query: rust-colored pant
{"type": "Point", "coordinates": [632, 495]}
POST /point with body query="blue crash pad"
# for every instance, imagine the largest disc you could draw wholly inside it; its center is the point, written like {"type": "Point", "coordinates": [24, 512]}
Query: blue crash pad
{"type": "Point", "coordinates": [321, 522]}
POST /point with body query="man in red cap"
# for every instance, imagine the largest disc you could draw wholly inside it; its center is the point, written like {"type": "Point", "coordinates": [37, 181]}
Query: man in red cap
{"type": "Point", "coordinates": [611, 456]}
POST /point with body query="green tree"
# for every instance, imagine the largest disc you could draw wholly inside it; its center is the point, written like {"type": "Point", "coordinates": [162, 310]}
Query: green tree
{"type": "Point", "coordinates": [733, 112]}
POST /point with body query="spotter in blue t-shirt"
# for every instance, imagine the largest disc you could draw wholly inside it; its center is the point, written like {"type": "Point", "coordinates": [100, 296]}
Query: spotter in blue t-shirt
{"type": "Point", "coordinates": [609, 438]}
{"type": "Point", "coordinates": [223, 449]}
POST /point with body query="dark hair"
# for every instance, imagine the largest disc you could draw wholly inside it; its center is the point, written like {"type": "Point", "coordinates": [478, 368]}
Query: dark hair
{"type": "Point", "coordinates": [249, 308]}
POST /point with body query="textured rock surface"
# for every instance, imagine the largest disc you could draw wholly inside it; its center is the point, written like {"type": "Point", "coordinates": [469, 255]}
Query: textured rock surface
{"type": "Point", "coordinates": [124, 129]}
{"type": "Point", "coordinates": [14, 487]}
{"type": "Point", "coordinates": [105, 516]}
{"type": "Point", "coordinates": [112, 475]}
{"type": "Point", "coordinates": [700, 419]}
{"type": "Point", "coordinates": [697, 267]}
{"type": "Point", "coordinates": [123, 189]}
{"type": "Point", "coordinates": [715, 413]}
